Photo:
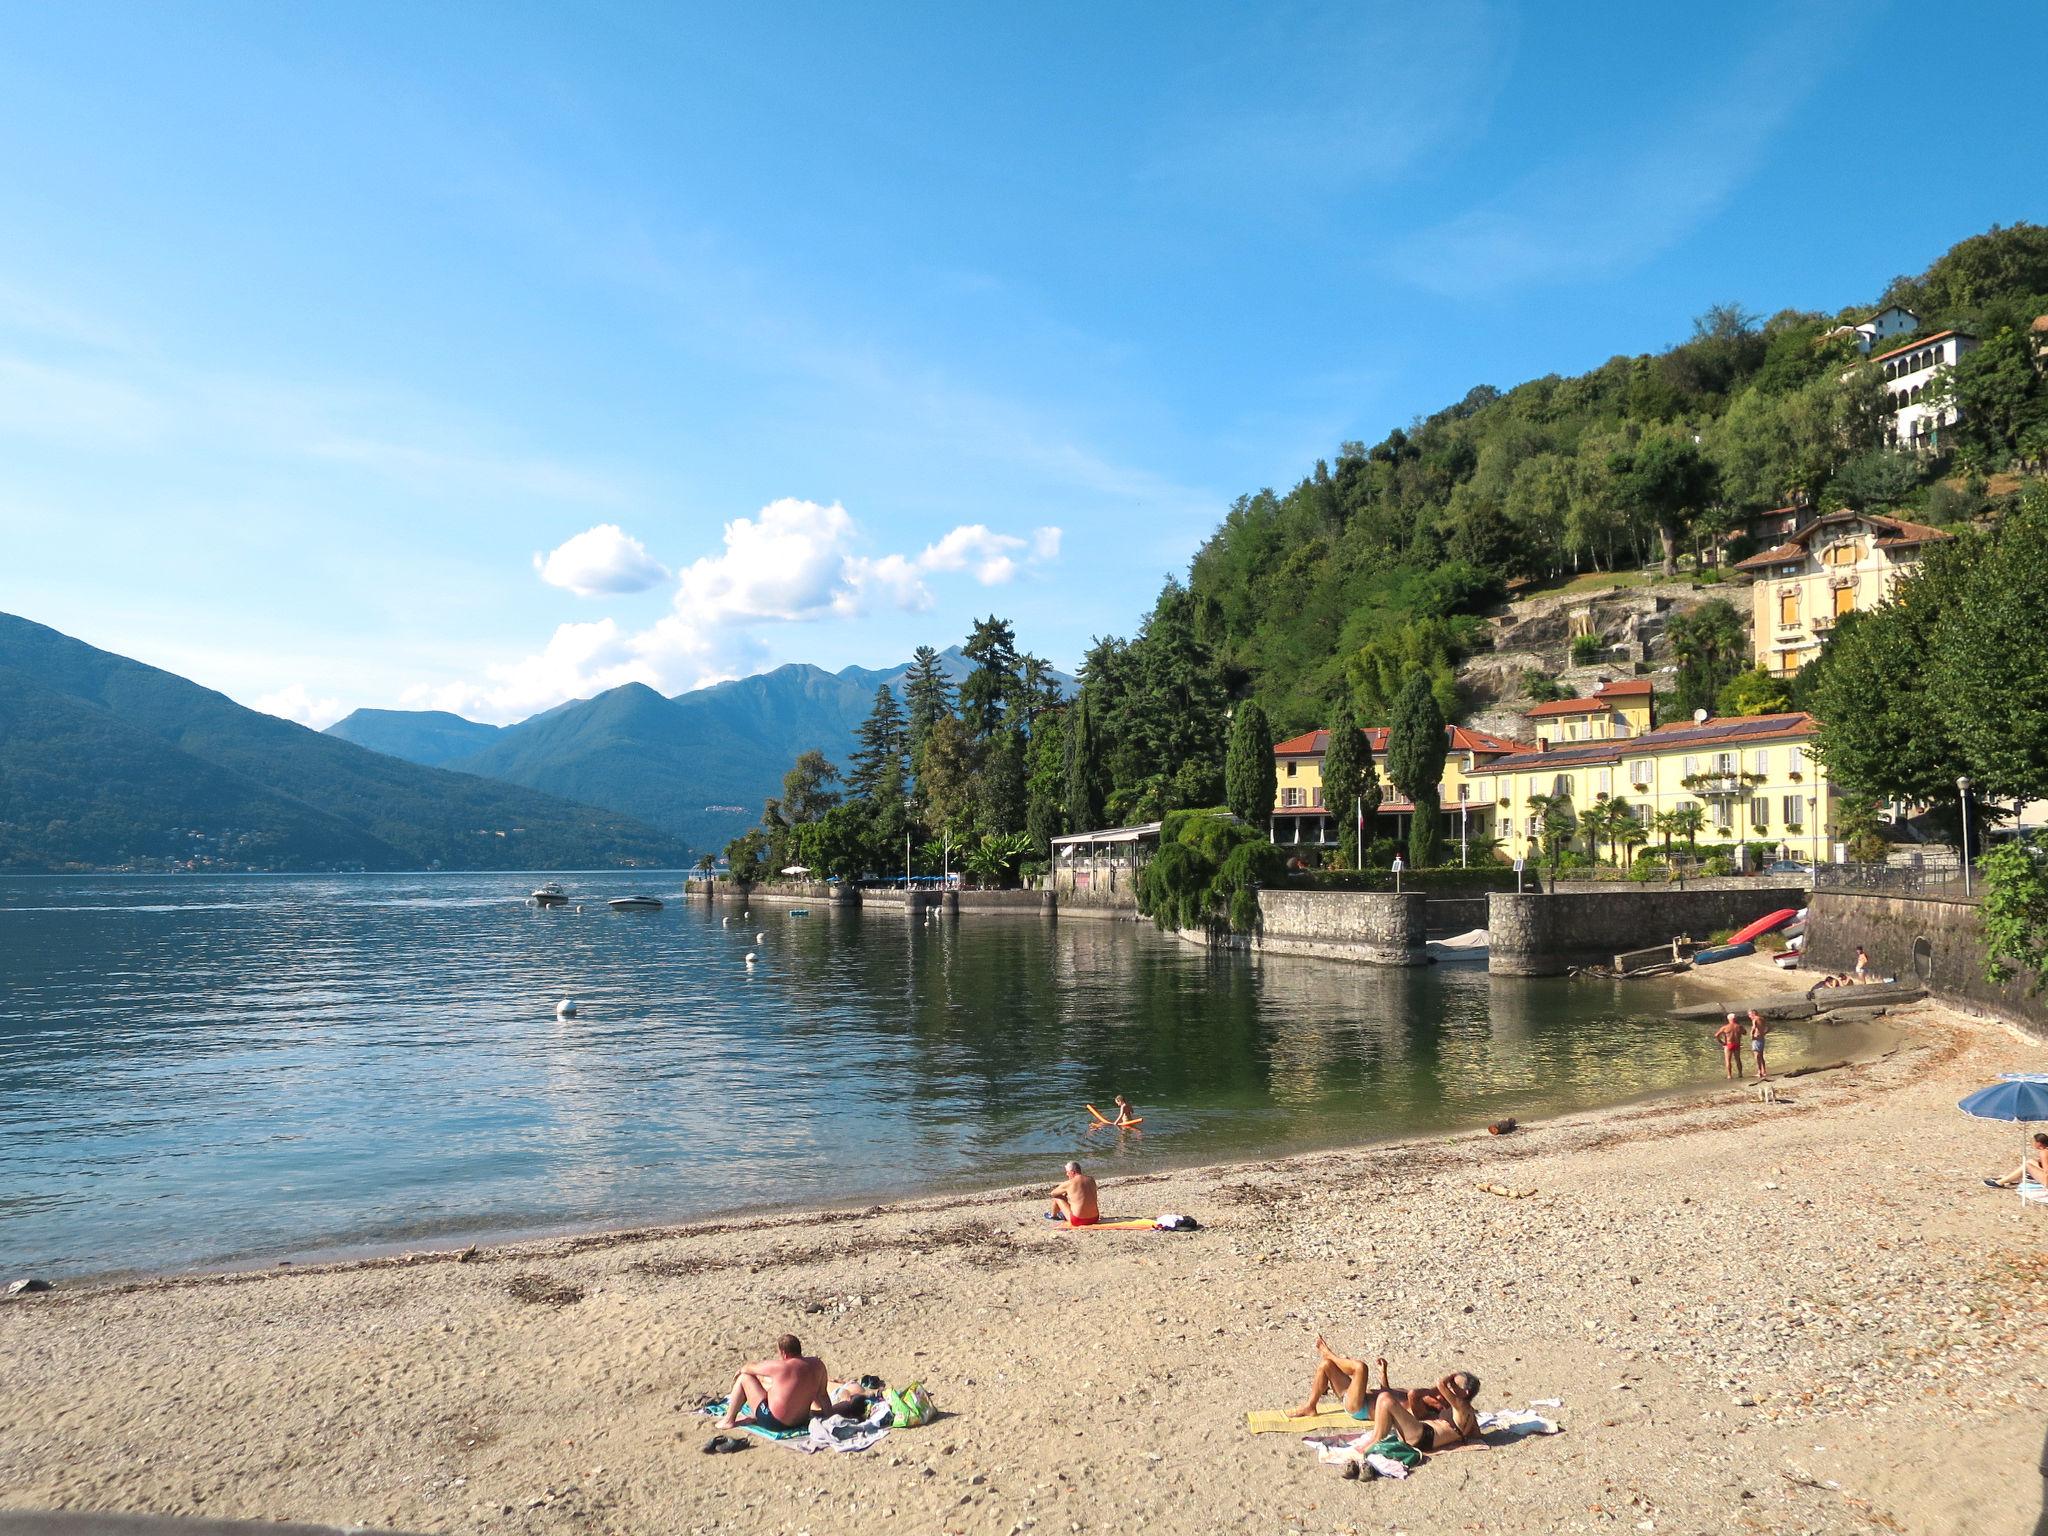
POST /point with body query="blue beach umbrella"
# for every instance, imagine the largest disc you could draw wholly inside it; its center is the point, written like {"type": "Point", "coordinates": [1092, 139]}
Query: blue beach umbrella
{"type": "Point", "coordinates": [2016, 1096]}
{"type": "Point", "coordinates": [2020, 1096]}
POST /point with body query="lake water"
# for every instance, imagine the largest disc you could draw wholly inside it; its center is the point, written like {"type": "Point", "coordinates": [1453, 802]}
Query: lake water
{"type": "Point", "coordinates": [200, 1071]}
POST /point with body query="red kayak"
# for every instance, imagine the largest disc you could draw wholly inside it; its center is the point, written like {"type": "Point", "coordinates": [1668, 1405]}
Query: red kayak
{"type": "Point", "coordinates": [1763, 925]}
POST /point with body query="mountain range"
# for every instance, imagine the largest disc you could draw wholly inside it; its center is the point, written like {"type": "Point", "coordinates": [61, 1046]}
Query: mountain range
{"type": "Point", "coordinates": [108, 763]}
{"type": "Point", "coordinates": [697, 765]}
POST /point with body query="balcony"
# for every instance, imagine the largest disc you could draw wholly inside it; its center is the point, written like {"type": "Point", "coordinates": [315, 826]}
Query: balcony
{"type": "Point", "coordinates": [1717, 784]}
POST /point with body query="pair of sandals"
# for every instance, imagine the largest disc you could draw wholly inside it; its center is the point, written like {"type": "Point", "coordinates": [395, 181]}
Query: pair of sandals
{"type": "Point", "coordinates": [719, 1445]}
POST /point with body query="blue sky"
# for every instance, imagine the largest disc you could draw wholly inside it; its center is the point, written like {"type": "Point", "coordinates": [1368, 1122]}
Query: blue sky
{"type": "Point", "coordinates": [481, 356]}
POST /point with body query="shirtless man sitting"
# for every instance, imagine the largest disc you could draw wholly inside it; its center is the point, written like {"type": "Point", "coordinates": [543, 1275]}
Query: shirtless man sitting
{"type": "Point", "coordinates": [1352, 1381]}
{"type": "Point", "coordinates": [1429, 1429]}
{"type": "Point", "coordinates": [782, 1393]}
{"type": "Point", "coordinates": [1073, 1199]}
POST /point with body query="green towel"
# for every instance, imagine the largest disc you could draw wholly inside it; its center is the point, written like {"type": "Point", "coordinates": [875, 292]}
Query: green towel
{"type": "Point", "coordinates": [1396, 1449]}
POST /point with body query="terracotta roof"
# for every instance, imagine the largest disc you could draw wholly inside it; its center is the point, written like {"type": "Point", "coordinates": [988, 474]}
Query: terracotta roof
{"type": "Point", "coordinates": [1736, 730]}
{"type": "Point", "coordinates": [1600, 698]}
{"type": "Point", "coordinates": [1462, 739]}
{"type": "Point", "coordinates": [1924, 341]}
{"type": "Point", "coordinates": [1901, 535]}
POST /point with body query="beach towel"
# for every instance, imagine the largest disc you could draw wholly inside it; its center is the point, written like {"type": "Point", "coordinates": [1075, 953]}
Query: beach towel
{"type": "Point", "coordinates": [717, 1410]}
{"type": "Point", "coordinates": [1276, 1421]}
{"type": "Point", "coordinates": [839, 1432]}
{"type": "Point", "coordinates": [1132, 1224]}
{"type": "Point", "coordinates": [1517, 1422]}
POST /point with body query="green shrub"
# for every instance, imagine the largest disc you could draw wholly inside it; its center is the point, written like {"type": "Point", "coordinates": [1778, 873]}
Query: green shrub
{"type": "Point", "coordinates": [1587, 649]}
{"type": "Point", "coordinates": [1719, 864]}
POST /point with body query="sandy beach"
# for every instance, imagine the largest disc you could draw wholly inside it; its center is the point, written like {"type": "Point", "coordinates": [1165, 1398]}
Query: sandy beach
{"type": "Point", "coordinates": [1806, 1315]}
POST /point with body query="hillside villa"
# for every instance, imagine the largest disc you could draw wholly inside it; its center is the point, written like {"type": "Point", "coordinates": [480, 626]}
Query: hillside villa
{"type": "Point", "coordinates": [1613, 710]}
{"type": "Point", "coordinates": [1911, 392]}
{"type": "Point", "coordinates": [1892, 320]}
{"type": "Point", "coordinates": [1834, 565]}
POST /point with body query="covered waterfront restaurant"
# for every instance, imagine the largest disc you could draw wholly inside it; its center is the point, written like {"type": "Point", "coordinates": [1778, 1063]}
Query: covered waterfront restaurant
{"type": "Point", "coordinates": [1105, 861]}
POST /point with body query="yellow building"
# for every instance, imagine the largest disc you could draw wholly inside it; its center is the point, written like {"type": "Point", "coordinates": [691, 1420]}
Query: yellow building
{"type": "Point", "coordinates": [1834, 565]}
{"type": "Point", "coordinates": [1754, 778]}
{"type": "Point", "coordinates": [1611, 711]}
{"type": "Point", "coordinates": [1300, 817]}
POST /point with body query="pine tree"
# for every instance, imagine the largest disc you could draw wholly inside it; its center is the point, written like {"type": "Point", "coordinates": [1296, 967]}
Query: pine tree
{"type": "Point", "coordinates": [1250, 781]}
{"type": "Point", "coordinates": [1001, 788]}
{"type": "Point", "coordinates": [927, 692]}
{"type": "Point", "coordinates": [1415, 762]}
{"type": "Point", "coordinates": [993, 687]}
{"type": "Point", "coordinates": [880, 746]}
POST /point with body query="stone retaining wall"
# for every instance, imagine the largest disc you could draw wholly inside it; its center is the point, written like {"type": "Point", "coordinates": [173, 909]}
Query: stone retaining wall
{"type": "Point", "coordinates": [1547, 935]}
{"type": "Point", "coordinates": [1924, 939]}
{"type": "Point", "coordinates": [1368, 927]}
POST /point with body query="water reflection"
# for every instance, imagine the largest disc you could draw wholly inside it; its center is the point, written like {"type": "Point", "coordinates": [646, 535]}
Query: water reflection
{"type": "Point", "coordinates": [194, 1070]}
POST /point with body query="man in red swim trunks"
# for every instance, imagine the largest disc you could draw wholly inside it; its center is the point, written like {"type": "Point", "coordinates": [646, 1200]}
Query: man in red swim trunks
{"type": "Point", "coordinates": [1730, 1036]}
{"type": "Point", "coordinates": [1073, 1199]}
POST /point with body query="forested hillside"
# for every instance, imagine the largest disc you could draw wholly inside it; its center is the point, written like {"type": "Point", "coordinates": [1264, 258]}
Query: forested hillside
{"type": "Point", "coordinates": [107, 762]}
{"type": "Point", "coordinates": [1377, 568]}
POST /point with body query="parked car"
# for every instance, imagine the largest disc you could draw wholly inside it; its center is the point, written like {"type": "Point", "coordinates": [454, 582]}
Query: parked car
{"type": "Point", "coordinates": [1788, 867]}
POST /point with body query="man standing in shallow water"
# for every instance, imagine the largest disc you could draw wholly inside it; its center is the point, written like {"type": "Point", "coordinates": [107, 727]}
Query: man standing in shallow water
{"type": "Point", "coordinates": [1730, 1036]}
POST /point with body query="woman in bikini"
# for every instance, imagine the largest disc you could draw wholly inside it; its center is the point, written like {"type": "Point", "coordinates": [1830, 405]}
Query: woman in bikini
{"type": "Point", "coordinates": [1454, 1423]}
{"type": "Point", "coordinates": [1351, 1380]}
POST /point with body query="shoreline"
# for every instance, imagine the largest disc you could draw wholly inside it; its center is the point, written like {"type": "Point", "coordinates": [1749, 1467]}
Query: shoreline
{"type": "Point", "coordinates": [1729, 1334]}
{"type": "Point", "coordinates": [1740, 978]}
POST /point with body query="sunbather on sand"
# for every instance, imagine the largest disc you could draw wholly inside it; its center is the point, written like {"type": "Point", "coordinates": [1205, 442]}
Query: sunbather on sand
{"type": "Point", "coordinates": [2033, 1168]}
{"type": "Point", "coordinates": [1351, 1380]}
{"type": "Point", "coordinates": [1427, 1431]}
{"type": "Point", "coordinates": [784, 1392]}
{"type": "Point", "coordinates": [1073, 1199]}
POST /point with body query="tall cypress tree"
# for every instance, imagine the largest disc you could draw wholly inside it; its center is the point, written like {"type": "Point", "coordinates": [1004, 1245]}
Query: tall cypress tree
{"type": "Point", "coordinates": [880, 745]}
{"type": "Point", "coordinates": [1249, 777]}
{"type": "Point", "coordinates": [1346, 761]}
{"type": "Point", "coordinates": [1084, 769]}
{"type": "Point", "coordinates": [1415, 762]}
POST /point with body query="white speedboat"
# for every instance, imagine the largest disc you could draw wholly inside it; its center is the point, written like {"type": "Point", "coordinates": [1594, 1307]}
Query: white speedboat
{"type": "Point", "coordinates": [551, 895]}
{"type": "Point", "coordinates": [635, 903]}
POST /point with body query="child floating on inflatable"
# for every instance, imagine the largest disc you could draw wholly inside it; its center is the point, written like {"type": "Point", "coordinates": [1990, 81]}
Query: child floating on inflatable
{"type": "Point", "coordinates": [1124, 1120]}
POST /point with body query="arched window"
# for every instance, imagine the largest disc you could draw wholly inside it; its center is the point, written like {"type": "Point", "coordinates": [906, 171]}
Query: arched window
{"type": "Point", "coordinates": [1916, 394]}
{"type": "Point", "coordinates": [1891, 370]}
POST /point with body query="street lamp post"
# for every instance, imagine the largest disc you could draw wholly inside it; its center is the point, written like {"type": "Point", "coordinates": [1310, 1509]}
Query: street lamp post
{"type": "Point", "coordinates": [1963, 789]}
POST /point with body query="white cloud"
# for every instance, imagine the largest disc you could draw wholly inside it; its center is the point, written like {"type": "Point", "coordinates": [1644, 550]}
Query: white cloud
{"type": "Point", "coordinates": [792, 561]}
{"type": "Point", "coordinates": [297, 703]}
{"type": "Point", "coordinates": [601, 561]}
{"type": "Point", "coordinates": [578, 660]}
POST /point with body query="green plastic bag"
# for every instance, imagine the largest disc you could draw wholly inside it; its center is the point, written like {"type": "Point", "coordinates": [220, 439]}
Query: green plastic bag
{"type": "Point", "coordinates": [1396, 1449]}
{"type": "Point", "coordinates": [910, 1407]}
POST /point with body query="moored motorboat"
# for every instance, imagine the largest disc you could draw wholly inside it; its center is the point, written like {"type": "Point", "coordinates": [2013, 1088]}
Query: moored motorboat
{"type": "Point", "coordinates": [1471, 948]}
{"type": "Point", "coordinates": [635, 903]}
{"type": "Point", "coordinates": [551, 895]}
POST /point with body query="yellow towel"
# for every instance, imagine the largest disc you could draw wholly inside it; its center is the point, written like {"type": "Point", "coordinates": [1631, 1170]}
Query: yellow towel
{"type": "Point", "coordinates": [1272, 1421]}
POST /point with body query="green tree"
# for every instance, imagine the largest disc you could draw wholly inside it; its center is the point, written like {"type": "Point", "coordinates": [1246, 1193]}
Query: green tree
{"type": "Point", "coordinates": [2002, 397]}
{"type": "Point", "coordinates": [1990, 610]}
{"type": "Point", "coordinates": [1416, 748]}
{"type": "Point", "coordinates": [879, 746]}
{"type": "Point", "coordinates": [995, 683]}
{"type": "Point", "coordinates": [1556, 823]}
{"type": "Point", "coordinates": [2015, 913]}
{"type": "Point", "coordinates": [1250, 778]}
{"type": "Point", "coordinates": [949, 782]}
{"type": "Point", "coordinates": [806, 789]}
{"type": "Point", "coordinates": [1084, 769]}
{"type": "Point", "coordinates": [1755, 692]}
{"type": "Point", "coordinates": [1347, 769]}
{"type": "Point", "coordinates": [1669, 482]}
{"type": "Point", "coordinates": [1207, 873]}
{"type": "Point", "coordinates": [1875, 481]}
{"type": "Point", "coordinates": [1686, 821]}
{"type": "Point", "coordinates": [927, 694]}
{"type": "Point", "coordinates": [1711, 649]}
{"type": "Point", "coordinates": [1045, 789]}
{"type": "Point", "coordinates": [1000, 786]}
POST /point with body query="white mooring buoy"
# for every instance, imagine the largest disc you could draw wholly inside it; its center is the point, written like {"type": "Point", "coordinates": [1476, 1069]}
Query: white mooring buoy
{"type": "Point", "coordinates": [750, 957]}
{"type": "Point", "coordinates": [760, 938]}
{"type": "Point", "coordinates": [566, 1008]}
{"type": "Point", "coordinates": [725, 922]}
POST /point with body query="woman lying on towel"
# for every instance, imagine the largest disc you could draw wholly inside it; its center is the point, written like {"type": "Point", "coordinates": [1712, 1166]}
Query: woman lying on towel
{"type": "Point", "coordinates": [1441, 1415]}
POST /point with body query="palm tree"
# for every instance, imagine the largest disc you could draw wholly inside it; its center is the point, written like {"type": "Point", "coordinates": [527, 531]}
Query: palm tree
{"type": "Point", "coordinates": [1610, 819]}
